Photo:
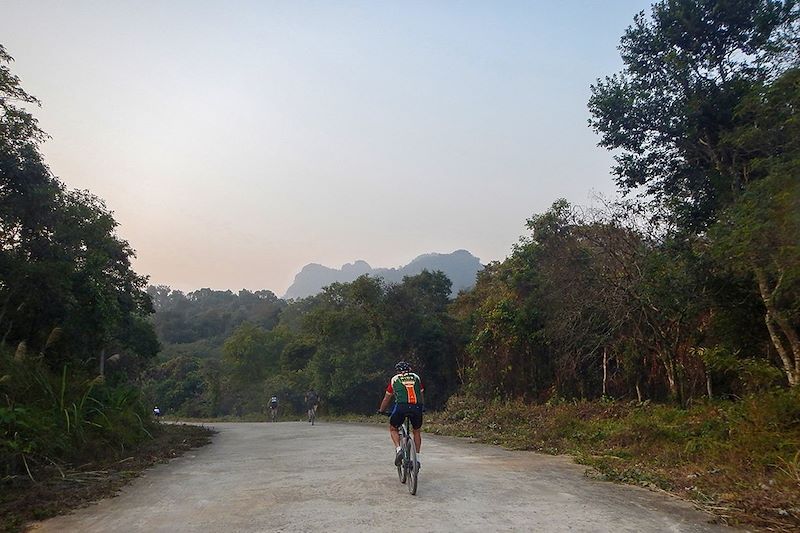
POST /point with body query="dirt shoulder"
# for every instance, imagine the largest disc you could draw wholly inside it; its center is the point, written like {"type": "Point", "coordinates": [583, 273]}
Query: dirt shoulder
{"type": "Point", "coordinates": [62, 489]}
{"type": "Point", "coordinates": [739, 461]}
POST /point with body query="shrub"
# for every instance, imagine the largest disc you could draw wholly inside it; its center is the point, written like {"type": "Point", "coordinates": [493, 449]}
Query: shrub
{"type": "Point", "coordinates": [48, 418]}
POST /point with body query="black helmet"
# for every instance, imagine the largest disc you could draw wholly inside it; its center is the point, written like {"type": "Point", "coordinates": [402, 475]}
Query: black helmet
{"type": "Point", "coordinates": [402, 366]}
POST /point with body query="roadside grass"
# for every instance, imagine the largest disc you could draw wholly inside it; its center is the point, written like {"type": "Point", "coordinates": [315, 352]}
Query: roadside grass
{"type": "Point", "coordinates": [62, 488]}
{"type": "Point", "coordinates": [49, 417]}
{"type": "Point", "coordinates": [739, 460]}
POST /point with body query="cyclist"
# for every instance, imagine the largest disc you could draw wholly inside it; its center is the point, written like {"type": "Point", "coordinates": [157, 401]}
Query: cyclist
{"type": "Point", "coordinates": [407, 391]}
{"type": "Point", "coordinates": [273, 408]}
{"type": "Point", "coordinates": [312, 401]}
{"type": "Point", "coordinates": [156, 412]}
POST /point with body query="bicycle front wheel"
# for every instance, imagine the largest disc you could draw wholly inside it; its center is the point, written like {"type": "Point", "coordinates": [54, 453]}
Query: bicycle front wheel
{"type": "Point", "coordinates": [402, 470]}
{"type": "Point", "coordinates": [413, 470]}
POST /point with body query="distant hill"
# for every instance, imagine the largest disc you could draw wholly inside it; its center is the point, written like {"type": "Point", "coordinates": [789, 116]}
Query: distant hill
{"type": "Point", "coordinates": [460, 266]}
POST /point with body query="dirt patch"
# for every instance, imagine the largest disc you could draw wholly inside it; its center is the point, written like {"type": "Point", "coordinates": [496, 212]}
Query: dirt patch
{"type": "Point", "coordinates": [61, 489]}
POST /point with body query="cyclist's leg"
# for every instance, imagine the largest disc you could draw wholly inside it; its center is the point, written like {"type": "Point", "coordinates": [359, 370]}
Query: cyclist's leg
{"type": "Point", "coordinates": [417, 439]}
{"type": "Point", "coordinates": [395, 435]}
{"type": "Point", "coordinates": [395, 420]}
{"type": "Point", "coordinates": [415, 415]}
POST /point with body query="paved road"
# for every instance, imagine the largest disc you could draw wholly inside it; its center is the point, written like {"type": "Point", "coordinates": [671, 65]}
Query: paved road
{"type": "Point", "coordinates": [290, 476]}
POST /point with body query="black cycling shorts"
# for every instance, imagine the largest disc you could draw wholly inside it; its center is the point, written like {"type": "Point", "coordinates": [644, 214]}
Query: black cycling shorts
{"type": "Point", "coordinates": [412, 411]}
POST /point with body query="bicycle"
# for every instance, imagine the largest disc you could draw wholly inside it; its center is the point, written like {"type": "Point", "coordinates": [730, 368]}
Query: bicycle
{"type": "Point", "coordinates": [273, 414]}
{"type": "Point", "coordinates": [408, 470]}
{"type": "Point", "coordinates": [312, 414]}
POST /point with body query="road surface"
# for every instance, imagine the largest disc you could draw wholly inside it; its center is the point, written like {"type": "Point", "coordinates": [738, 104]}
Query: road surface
{"type": "Point", "coordinates": [290, 476]}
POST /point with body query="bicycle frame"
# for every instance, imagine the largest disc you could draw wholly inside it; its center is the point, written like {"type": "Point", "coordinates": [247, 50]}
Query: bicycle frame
{"type": "Point", "coordinates": [405, 437]}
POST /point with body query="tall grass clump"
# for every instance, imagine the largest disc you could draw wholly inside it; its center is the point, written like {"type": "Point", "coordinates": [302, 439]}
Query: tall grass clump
{"type": "Point", "coordinates": [49, 418]}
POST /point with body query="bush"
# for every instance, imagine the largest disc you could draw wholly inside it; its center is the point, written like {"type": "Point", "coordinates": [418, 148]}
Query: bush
{"type": "Point", "coordinates": [49, 419]}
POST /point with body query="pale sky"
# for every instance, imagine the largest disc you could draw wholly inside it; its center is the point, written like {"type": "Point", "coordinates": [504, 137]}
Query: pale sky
{"type": "Point", "coordinates": [238, 141]}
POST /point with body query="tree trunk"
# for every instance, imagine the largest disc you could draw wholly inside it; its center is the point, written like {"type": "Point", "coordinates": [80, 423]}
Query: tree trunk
{"type": "Point", "coordinates": [638, 391]}
{"type": "Point", "coordinates": [791, 361]}
{"type": "Point", "coordinates": [788, 368]}
{"type": "Point", "coordinates": [672, 378]}
{"type": "Point", "coordinates": [794, 342]}
{"type": "Point", "coordinates": [605, 372]}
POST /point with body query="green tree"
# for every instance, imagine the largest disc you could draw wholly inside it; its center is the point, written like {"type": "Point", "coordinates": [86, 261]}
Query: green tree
{"type": "Point", "coordinates": [245, 351]}
{"type": "Point", "coordinates": [69, 303]}
{"type": "Point", "coordinates": [704, 110]}
{"type": "Point", "coordinates": [417, 327]}
{"type": "Point", "coordinates": [760, 234]}
{"type": "Point", "coordinates": [687, 68]}
{"type": "Point", "coordinates": [62, 265]}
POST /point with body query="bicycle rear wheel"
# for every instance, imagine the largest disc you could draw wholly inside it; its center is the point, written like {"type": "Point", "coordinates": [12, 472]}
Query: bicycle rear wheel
{"type": "Point", "coordinates": [413, 469]}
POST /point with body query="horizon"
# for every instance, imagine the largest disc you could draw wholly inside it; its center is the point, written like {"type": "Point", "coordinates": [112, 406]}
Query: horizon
{"type": "Point", "coordinates": [252, 139]}
{"type": "Point", "coordinates": [282, 294]}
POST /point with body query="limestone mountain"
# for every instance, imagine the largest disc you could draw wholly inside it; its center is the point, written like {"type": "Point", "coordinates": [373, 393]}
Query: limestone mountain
{"type": "Point", "coordinates": [460, 266]}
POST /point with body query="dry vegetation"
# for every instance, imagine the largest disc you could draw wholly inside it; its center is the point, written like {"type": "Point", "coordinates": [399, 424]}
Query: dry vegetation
{"type": "Point", "coordinates": [61, 489]}
{"type": "Point", "coordinates": [739, 460]}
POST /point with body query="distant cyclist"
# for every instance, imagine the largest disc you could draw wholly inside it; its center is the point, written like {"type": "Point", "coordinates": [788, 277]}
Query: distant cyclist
{"type": "Point", "coordinates": [312, 402]}
{"type": "Point", "coordinates": [407, 391]}
{"type": "Point", "coordinates": [273, 408]}
{"type": "Point", "coordinates": [156, 412]}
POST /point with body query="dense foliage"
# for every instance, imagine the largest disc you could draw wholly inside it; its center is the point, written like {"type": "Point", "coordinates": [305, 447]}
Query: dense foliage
{"type": "Point", "coordinates": [73, 327]}
{"type": "Point", "coordinates": [341, 342]}
{"type": "Point", "coordinates": [704, 118]}
{"type": "Point", "coordinates": [199, 322]}
{"type": "Point", "coordinates": [691, 289]}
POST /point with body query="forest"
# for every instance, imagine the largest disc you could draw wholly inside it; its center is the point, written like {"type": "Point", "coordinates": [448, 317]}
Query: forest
{"type": "Point", "coordinates": [341, 342]}
{"type": "Point", "coordinates": [684, 289]}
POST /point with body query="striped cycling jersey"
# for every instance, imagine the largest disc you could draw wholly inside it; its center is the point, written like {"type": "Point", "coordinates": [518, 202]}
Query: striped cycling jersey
{"type": "Point", "coordinates": [406, 387]}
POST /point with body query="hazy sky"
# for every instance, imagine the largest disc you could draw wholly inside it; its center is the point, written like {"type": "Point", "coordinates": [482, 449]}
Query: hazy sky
{"type": "Point", "coordinates": [238, 141]}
